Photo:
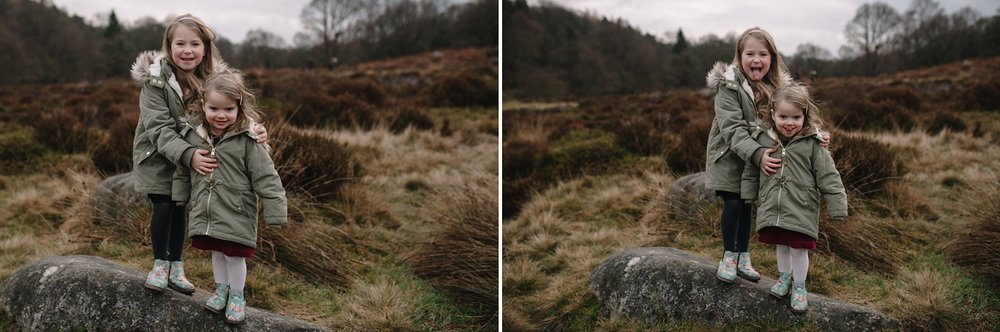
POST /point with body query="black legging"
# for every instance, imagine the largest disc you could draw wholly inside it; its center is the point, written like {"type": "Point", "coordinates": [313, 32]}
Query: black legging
{"type": "Point", "coordinates": [735, 222]}
{"type": "Point", "coordinates": [166, 228]}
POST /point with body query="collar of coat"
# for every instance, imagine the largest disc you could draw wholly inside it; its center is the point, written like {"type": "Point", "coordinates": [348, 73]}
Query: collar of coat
{"type": "Point", "coordinates": [202, 131]}
{"type": "Point", "coordinates": [813, 133]}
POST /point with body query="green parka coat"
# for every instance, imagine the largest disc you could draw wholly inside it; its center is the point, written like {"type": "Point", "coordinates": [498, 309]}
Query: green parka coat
{"type": "Point", "coordinates": [729, 142]}
{"type": "Point", "coordinates": [789, 199]}
{"type": "Point", "coordinates": [158, 149]}
{"type": "Point", "coordinates": [223, 204]}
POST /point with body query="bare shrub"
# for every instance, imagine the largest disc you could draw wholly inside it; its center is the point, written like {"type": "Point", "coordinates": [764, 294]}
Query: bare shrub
{"type": "Point", "coordinates": [467, 88]}
{"type": "Point", "coordinates": [976, 246]}
{"type": "Point", "coordinates": [903, 96]}
{"type": "Point", "coordinates": [112, 153]}
{"type": "Point", "coordinates": [312, 164]}
{"type": "Point", "coordinates": [865, 165]}
{"type": "Point", "coordinates": [583, 152]}
{"type": "Point", "coordinates": [942, 120]}
{"type": "Point", "coordinates": [340, 111]}
{"type": "Point", "coordinates": [367, 90]}
{"type": "Point", "coordinates": [688, 155]}
{"type": "Point", "coordinates": [406, 117]}
{"type": "Point", "coordinates": [18, 148]}
{"type": "Point", "coordinates": [983, 95]}
{"type": "Point", "coordinates": [461, 256]}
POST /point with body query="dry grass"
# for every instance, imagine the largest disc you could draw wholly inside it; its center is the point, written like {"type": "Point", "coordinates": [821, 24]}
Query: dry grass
{"type": "Point", "coordinates": [873, 258]}
{"type": "Point", "coordinates": [460, 256]}
{"type": "Point", "coordinates": [377, 306]}
{"type": "Point", "coordinates": [978, 246]}
{"type": "Point", "coordinates": [922, 300]}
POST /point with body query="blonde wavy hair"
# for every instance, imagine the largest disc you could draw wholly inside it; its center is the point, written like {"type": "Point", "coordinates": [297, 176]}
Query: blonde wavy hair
{"type": "Point", "coordinates": [798, 96]}
{"type": "Point", "coordinates": [775, 76]}
{"type": "Point", "coordinates": [229, 83]}
{"type": "Point", "coordinates": [192, 80]}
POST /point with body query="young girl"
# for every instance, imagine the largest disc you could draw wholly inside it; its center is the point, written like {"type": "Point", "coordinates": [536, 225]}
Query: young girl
{"type": "Point", "coordinates": [788, 202]}
{"type": "Point", "coordinates": [223, 215]}
{"type": "Point", "coordinates": [743, 87]}
{"type": "Point", "coordinates": [168, 81]}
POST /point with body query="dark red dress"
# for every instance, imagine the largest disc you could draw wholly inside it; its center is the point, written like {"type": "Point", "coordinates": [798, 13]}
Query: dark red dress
{"type": "Point", "coordinates": [778, 235]}
{"type": "Point", "coordinates": [229, 248]}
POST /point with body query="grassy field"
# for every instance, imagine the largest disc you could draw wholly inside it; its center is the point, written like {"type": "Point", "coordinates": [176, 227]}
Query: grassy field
{"type": "Point", "coordinates": [565, 231]}
{"type": "Point", "coordinates": [918, 150]}
{"type": "Point", "coordinates": [413, 201]}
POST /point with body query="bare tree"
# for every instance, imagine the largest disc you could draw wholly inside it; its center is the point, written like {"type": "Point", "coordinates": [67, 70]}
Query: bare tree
{"type": "Point", "coordinates": [871, 31]}
{"type": "Point", "coordinates": [260, 48]}
{"type": "Point", "coordinates": [329, 19]}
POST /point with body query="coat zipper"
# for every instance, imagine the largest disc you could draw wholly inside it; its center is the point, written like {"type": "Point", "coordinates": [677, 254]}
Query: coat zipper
{"type": "Point", "coordinates": [781, 173]}
{"type": "Point", "coordinates": [211, 188]}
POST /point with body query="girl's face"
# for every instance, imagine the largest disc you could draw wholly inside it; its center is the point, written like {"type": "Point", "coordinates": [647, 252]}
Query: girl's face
{"type": "Point", "coordinates": [755, 59]}
{"type": "Point", "coordinates": [788, 119]}
{"type": "Point", "coordinates": [220, 112]}
{"type": "Point", "coordinates": [186, 48]}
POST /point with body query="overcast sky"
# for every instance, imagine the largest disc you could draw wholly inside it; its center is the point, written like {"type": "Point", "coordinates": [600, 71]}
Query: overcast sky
{"type": "Point", "coordinates": [229, 18]}
{"type": "Point", "coordinates": [790, 22]}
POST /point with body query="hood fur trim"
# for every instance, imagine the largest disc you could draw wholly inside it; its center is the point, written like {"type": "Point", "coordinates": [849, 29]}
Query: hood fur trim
{"type": "Point", "coordinates": [141, 69]}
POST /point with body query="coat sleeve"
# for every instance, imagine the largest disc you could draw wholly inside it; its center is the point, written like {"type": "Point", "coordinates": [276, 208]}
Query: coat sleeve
{"type": "Point", "coordinates": [750, 183]}
{"type": "Point", "coordinates": [734, 128]}
{"type": "Point", "coordinates": [161, 127]}
{"type": "Point", "coordinates": [829, 183]}
{"type": "Point", "coordinates": [180, 191]}
{"type": "Point", "coordinates": [266, 184]}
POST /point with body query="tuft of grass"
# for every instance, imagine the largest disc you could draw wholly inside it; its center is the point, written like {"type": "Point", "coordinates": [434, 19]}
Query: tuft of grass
{"type": "Point", "coordinates": [865, 164]}
{"type": "Point", "coordinates": [976, 247]}
{"type": "Point", "coordinates": [461, 256]}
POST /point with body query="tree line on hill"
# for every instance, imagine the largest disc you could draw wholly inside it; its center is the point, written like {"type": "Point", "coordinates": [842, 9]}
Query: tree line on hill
{"type": "Point", "coordinates": [552, 52]}
{"type": "Point", "coordinates": [44, 44]}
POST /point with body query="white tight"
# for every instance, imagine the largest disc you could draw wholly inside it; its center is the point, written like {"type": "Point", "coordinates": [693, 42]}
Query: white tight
{"type": "Point", "coordinates": [229, 270]}
{"type": "Point", "coordinates": [795, 260]}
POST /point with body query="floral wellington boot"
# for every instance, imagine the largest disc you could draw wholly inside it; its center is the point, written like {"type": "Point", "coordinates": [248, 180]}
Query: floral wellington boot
{"type": "Point", "coordinates": [727, 267]}
{"type": "Point", "coordinates": [218, 301]}
{"type": "Point", "coordinates": [177, 281]}
{"type": "Point", "coordinates": [236, 309]}
{"type": "Point", "coordinates": [780, 289]}
{"type": "Point", "coordinates": [798, 300]}
{"type": "Point", "coordinates": [157, 278]}
{"type": "Point", "coordinates": [745, 270]}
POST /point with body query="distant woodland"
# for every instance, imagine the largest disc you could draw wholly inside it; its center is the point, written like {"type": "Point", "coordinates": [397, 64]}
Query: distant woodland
{"type": "Point", "coordinates": [552, 52]}
{"type": "Point", "coordinates": [44, 44]}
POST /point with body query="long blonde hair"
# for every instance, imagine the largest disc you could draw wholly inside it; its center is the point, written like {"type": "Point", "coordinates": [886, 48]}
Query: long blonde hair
{"type": "Point", "coordinates": [192, 80]}
{"type": "Point", "coordinates": [798, 96]}
{"type": "Point", "coordinates": [230, 84]}
{"type": "Point", "coordinates": [775, 76]}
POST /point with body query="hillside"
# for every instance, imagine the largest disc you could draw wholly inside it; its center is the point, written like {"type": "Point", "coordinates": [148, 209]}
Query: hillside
{"type": "Point", "coordinates": [387, 180]}
{"type": "Point", "coordinates": [587, 178]}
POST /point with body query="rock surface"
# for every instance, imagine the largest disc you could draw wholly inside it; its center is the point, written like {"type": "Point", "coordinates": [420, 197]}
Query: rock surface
{"type": "Point", "coordinates": [657, 285]}
{"type": "Point", "coordinates": [87, 293]}
{"type": "Point", "coordinates": [688, 195]}
{"type": "Point", "coordinates": [114, 197]}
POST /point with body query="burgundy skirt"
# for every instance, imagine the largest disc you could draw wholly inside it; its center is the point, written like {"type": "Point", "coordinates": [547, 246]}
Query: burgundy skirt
{"type": "Point", "coordinates": [229, 248]}
{"type": "Point", "coordinates": [778, 235]}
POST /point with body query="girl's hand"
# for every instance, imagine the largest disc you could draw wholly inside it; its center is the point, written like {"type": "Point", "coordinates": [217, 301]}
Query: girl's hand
{"type": "Point", "coordinates": [261, 133]}
{"type": "Point", "coordinates": [769, 165]}
{"type": "Point", "coordinates": [201, 163]}
{"type": "Point", "coordinates": [825, 139]}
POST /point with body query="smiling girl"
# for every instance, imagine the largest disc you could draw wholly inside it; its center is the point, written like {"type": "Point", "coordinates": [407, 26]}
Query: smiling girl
{"type": "Point", "coordinates": [223, 215]}
{"type": "Point", "coordinates": [788, 201]}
